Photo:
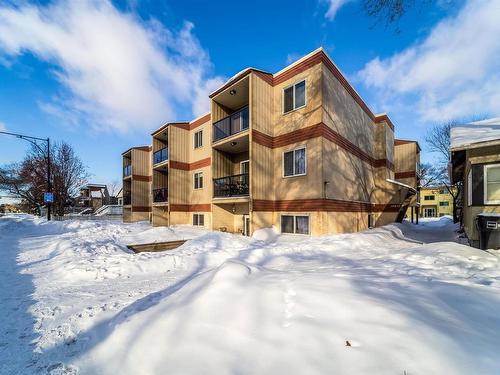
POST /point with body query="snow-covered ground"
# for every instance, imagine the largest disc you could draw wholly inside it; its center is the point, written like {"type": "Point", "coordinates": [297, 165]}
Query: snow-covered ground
{"type": "Point", "coordinates": [75, 300]}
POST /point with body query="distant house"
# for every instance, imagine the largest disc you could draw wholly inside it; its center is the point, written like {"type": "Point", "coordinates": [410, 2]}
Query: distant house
{"type": "Point", "coordinates": [475, 162]}
{"type": "Point", "coordinates": [435, 202]}
{"type": "Point", "coordinates": [93, 196]}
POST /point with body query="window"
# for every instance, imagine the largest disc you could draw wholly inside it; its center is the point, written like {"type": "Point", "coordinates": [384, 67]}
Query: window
{"type": "Point", "coordinates": [199, 220]}
{"type": "Point", "coordinates": [444, 204]}
{"type": "Point", "coordinates": [245, 167]}
{"type": "Point", "coordinates": [469, 187]}
{"type": "Point", "coordinates": [429, 198]}
{"type": "Point", "coordinates": [198, 180]}
{"type": "Point", "coordinates": [492, 184]}
{"type": "Point", "coordinates": [198, 139]}
{"type": "Point", "coordinates": [294, 224]}
{"type": "Point", "coordinates": [294, 96]}
{"type": "Point", "coordinates": [294, 162]}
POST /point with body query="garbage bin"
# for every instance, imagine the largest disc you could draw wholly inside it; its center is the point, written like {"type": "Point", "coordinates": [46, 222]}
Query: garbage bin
{"type": "Point", "coordinates": [489, 230]}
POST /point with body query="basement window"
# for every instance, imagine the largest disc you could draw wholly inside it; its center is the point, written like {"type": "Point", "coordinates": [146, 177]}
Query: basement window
{"type": "Point", "coordinates": [294, 96]}
{"type": "Point", "coordinates": [294, 162]}
{"type": "Point", "coordinates": [199, 220]}
{"type": "Point", "coordinates": [295, 224]}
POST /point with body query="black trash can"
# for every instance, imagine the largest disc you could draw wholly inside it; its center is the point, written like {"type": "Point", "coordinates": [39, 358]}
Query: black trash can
{"type": "Point", "coordinates": [489, 231]}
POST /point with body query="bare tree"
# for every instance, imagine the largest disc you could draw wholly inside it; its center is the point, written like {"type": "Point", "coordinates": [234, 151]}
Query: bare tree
{"type": "Point", "coordinates": [438, 141]}
{"type": "Point", "coordinates": [430, 175]}
{"type": "Point", "coordinates": [114, 188]}
{"type": "Point", "coordinates": [27, 180]}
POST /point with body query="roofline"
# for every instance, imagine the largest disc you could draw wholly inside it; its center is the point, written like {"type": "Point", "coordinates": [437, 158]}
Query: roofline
{"type": "Point", "coordinates": [491, 142]}
{"type": "Point", "coordinates": [141, 148]}
{"type": "Point", "coordinates": [166, 125]}
{"type": "Point", "coordinates": [317, 57]}
{"type": "Point", "coordinates": [403, 141]}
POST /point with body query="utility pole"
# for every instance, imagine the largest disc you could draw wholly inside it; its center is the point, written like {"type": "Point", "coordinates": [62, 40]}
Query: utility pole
{"type": "Point", "coordinates": [33, 140]}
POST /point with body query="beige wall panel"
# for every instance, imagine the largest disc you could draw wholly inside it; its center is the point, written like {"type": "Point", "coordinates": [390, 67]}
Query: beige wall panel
{"type": "Point", "coordinates": [222, 165]}
{"type": "Point", "coordinates": [127, 215]}
{"type": "Point", "coordinates": [141, 193]}
{"type": "Point", "coordinates": [218, 112]}
{"type": "Point", "coordinates": [204, 195]}
{"type": "Point", "coordinates": [141, 162]}
{"type": "Point", "coordinates": [300, 187]}
{"type": "Point", "coordinates": [261, 105]}
{"type": "Point", "coordinates": [179, 186]}
{"type": "Point", "coordinates": [178, 218]}
{"type": "Point", "coordinates": [206, 150]}
{"type": "Point", "coordinates": [160, 216]}
{"type": "Point", "coordinates": [349, 178]}
{"type": "Point", "coordinates": [262, 169]}
{"type": "Point", "coordinates": [179, 145]}
{"type": "Point", "coordinates": [343, 222]}
{"type": "Point", "coordinates": [160, 179]}
{"type": "Point", "coordinates": [309, 115]}
{"type": "Point", "coordinates": [405, 157]}
{"type": "Point", "coordinates": [344, 115]}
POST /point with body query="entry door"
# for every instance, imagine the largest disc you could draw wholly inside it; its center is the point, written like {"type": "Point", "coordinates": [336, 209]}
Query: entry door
{"type": "Point", "coordinates": [246, 225]}
{"type": "Point", "coordinates": [430, 212]}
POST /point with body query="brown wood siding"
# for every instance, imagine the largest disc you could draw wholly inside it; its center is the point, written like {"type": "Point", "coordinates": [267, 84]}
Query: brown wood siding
{"type": "Point", "coordinates": [316, 205]}
{"type": "Point", "coordinates": [407, 174]}
{"type": "Point", "coordinates": [190, 166]}
{"type": "Point", "coordinates": [138, 177]}
{"type": "Point", "coordinates": [314, 131]}
{"type": "Point", "coordinates": [141, 209]}
{"type": "Point", "coordinates": [207, 207]}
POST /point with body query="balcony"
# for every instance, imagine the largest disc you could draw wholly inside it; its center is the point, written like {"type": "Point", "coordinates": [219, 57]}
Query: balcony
{"type": "Point", "coordinates": [160, 156]}
{"type": "Point", "coordinates": [230, 125]}
{"type": "Point", "coordinates": [127, 200]}
{"type": "Point", "coordinates": [127, 170]}
{"type": "Point", "coordinates": [231, 186]}
{"type": "Point", "coordinates": [160, 195]}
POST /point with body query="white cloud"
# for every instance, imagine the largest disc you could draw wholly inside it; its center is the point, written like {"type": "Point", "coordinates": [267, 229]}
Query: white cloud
{"type": "Point", "coordinates": [3, 127]}
{"type": "Point", "coordinates": [119, 72]}
{"type": "Point", "coordinates": [333, 8]}
{"type": "Point", "coordinates": [453, 73]}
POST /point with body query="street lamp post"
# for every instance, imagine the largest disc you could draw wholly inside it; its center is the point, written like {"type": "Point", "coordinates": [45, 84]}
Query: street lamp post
{"type": "Point", "coordinates": [33, 140]}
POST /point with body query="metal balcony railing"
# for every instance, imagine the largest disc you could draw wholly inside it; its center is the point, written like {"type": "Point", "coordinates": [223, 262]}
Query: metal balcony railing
{"type": "Point", "coordinates": [231, 186]}
{"type": "Point", "coordinates": [127, 170]}
{"type": "Point", "coordinates": [160, 195]}
{"type": "Point", "coordinates": [127, 199]}
{"type": "Point", "coordinates": [232, 124]}
{"type": "Point", "coordinates": [160, 155]}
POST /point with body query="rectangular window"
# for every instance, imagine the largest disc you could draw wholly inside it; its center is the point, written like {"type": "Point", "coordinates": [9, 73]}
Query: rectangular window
{"type": "Point", "coordinates": [469, 187]}
{"type": "Point", "coordinates": [429, 198]}
{"type": "Point", "coordinates": [294, 96]}
{"type": "Point", "coordinates": [198, 139]}
{"type": "Point", "coordinates": [294, 162]}
{"type": "Point", "coordinates": [492, 184]}
{"type": "Point", "coordinates": [444, 204]}
{"type": "Point", "coordinates": [199, 220]}
{"type": "Point", "coordinates": [294, 224]}
{"type": "Point", "coordinates": [198, 180]}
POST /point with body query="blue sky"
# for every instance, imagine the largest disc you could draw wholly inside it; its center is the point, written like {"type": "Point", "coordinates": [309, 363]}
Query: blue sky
{"type": "Point", "coordinates": [102, 76]}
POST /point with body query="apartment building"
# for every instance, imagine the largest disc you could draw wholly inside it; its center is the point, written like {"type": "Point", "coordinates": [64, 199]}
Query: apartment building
{"type": "Point", "coordinates": [407, 170]}
{"type": "Point", "coordinates": [298, 150]}
{"type": "Point", "coordinates": [136, 188]}
{"type": "Point", "coordinates": [435, 202]}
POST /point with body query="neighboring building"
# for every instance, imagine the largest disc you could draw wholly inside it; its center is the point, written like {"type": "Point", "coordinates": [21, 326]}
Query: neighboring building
{"type": "Point", "coordinates": [93, 196]}
{"type": "Point", "coordinates": [119, 197]}
{"type": "Point", "coordinates": [435, 202]}
{"type": "Point", "coordinates": [475, 162]}
{"type": "Point", "coordinates": [136, 184]}
{"type": "Point", "coordinates": [407, 170]}
{"type": "Point", "coordinates": [299, 150]}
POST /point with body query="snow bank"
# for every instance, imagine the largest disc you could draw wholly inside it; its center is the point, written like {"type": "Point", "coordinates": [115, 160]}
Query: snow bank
{"type": "Point", "coordinates": [374, 302]}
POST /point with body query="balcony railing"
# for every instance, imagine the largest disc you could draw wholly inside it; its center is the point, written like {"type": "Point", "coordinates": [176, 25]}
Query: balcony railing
{"type": "Point", "coordinates": [160, 155]}
{"type": "Point", "coordinates": [160, 195]}
{"type": "Point", "coordinates": [127, 199]}
{"type": "Point", "coordinates": [231, 186]}
{"type": "Point", "coordinates": [127, 170]}
{"type": "Point", "coordinates": [235, 123]}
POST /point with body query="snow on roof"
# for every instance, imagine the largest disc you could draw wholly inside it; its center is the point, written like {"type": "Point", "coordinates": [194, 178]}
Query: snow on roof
{"type": "Point", "coordinates": [401, 184]}
{"type": "Point", "coordinates": [464, 135]}
{"type": "Point", "coordinates": [95, 194]}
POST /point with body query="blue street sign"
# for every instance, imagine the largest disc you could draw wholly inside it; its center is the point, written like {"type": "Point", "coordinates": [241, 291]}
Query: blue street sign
{"type": "Point", "coordinates": [48, 197]}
